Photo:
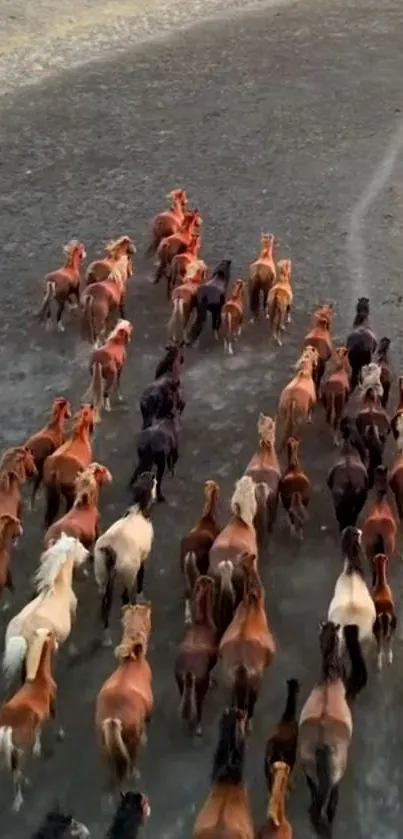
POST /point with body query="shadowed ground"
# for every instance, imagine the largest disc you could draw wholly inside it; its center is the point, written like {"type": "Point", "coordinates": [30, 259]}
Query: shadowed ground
{"type": "Point", "coordinates": [275, 121]}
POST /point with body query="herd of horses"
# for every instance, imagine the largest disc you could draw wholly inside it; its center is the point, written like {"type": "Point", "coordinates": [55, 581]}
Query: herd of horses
{"type": "Point", "coordinates": [227, 626]}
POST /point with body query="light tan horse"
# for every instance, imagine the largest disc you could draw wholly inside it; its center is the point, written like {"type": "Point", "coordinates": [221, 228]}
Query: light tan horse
{"type": "Point", "coordinates": [53, 608]}
{"type": "Point", "coordinates": [265, 471]}
{"type": "Point", "coordinates": [118, 256]}
{"type": "Point", "coordinates": [279, 301]}
{"type": "Point", "coordinates": [261, 275]}
{"type": "Point", "coordinates": [298, 399]}
{"type": "Point", "coordinates": [125, 701]}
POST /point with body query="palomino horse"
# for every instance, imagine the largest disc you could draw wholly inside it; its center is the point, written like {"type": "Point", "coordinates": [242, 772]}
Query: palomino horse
{"type": "Point", "coordinates": [52, 609]}
{"type": "Point", "coordinates": [16, 466]}
{"type": "Point", "coordinates": [232, 316]}
{"type": "Point", "coordinates": [264, 469]}
{"type": "Point", "coordinates": [63, 285]}
{"type": "Point", "coordinates": [320, 338]}
{"type": "Point", "coordinates": [106, 366]}
{"type": "Point", "coordinates": [47, 440]}
{"type": "Point", "coordinates": [277, 825]}
{"type": "Point", "coordinates": [60, 825]}
{"type": "Point", "coordinates": [295, 490]}
{"type": "Point", "coordinates": [125, 701]}
{"type": "Point", "coordinates": [164, 395]}
{"type": "Point", "coordinates": [247, 647]}
{"type": "Point", "coordinates": [117, 251]}
{"type": "Point", "coordinates": [177, 243]}
{"type": "Point", "coordinates": [195, 546]}
{"type": "Point", "coordinates": [386, 620]}
{"type": "Point", "coordinates": [100, 300]}
{"type": "Point", "coordinates": [132, 812]}
{"type": "Point", "coordinates": [325, 732]}
{"type": "Point", "coordinates": [61, 468]}
{"type": "Point", "coordinates": [181, 262]}
{"type": "Point", "coordinates": [361, 342]}
{"type": "Point", "coordinates": [168, 222]}
{"type": "Point", "coordinates": [279, 301]}
{"type": "Point", "coordinates": [226, 812]}
{"type": "Point", "coordinates": [261, 275]}
{"type": "Point", "coordinates": [386, 375]}
{"type": "Point", "coordinates": [298, 398]}
{"type": "Point", "coordinates": [197, 655]}
{"type": "Point", "coordinates": [283, 740]}
{"type": "Point", "coordinates": [82, 521]}
{"type": "Point", "coordinates": [10, 532]}
{"type": "Point", "coordinates": [182, 300]}
{"type": "Point", "coordinates": [379, 526]}
{"type": "Point", "coordinates": [237, 538]}
{"type": "Point", "coordinates": [24, 715]}
{"type": "Point", "coordinates": [210, 298]}
{"type": "Point", "coordinates": [335, 391]}
{"type": "Point", "coordinates": [348, 477]}
{"type": "Point", "coordinates": [396, 470]}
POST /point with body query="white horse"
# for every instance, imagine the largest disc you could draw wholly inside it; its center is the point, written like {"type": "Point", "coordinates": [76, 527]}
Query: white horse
{"type": "Point", "coordinates": [123, 549]}
{"type": "Point", "coordinates": [53, 608]}
{"type": "Point", "coordinates": [352, 602]}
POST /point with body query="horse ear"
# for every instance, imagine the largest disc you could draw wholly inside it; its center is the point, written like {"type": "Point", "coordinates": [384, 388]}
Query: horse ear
{"type": "Point", "coordinates": [322, 625]}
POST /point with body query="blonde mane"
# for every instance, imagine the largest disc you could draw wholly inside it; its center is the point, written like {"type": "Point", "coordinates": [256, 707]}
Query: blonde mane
{"type": "Point", "coordinates": [115, 244]}
{"type": "Point", "coordinates": [136, 622]}
{"type": "Point", "coordinates": [52, 561]}
{"type": "Point", "coordinates": [266, 429]}
{"type": "Point", "coordinates": [122, 325]}
{"type": "Point", "coordinates": [193, 268]}
{"type": "Point", "coordinates": [399, 429]}
{"type": "Point", "coordinates": [243, 501]}
{"type": "Point", "coordinates": [71, 246]}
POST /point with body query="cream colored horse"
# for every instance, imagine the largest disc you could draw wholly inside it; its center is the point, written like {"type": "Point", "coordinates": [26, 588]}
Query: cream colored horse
{"type": "Point", "coordinates": [53, 608]}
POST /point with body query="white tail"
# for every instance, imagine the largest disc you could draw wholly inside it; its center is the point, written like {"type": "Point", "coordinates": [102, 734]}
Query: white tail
{"type": "Point", "coordinates": [112, 732]}
{"type": "Point", "coordinates": [176, 318]}
{"type": "Point", "coordinates": [6, 746]}
{"type": "Point", "coordinates": [14, 656]}
{"type": "Point", "coordinates": [228, 339]}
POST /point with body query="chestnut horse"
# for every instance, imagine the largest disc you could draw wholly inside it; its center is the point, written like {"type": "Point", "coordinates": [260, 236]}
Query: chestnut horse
{"type": "Point", "coordinates": [396, 470]}
{"type": "Point", "coordinates": [47, 440]}
{"type": "Point", "coordinates": [264, 469]}
{"type": "Point", "coordinates": [10, 532]}
{"type": "Point", "coordinates": [247, 647]}
{"type": "Point", "coordinates": [82, 520]}
{"type": "Point", "coordinates": [279, 301]}
{"type": "Point", "coordinates": [277, 825]}
{"type": "Point", "coordinates": [232, 316]}
{"type": "Point", "coordinates": [261, 275]}
{"type": "Point", "coordinates": [182, 300]}
{"type": "Point", "coordinates": [320, 338]}
{"type": "Point", "coordinates": [106, 366]}
{"type": "Point", "coordinates": [298, 399]}
{"type": "Point", "coordinates": [63, 285]}
{"type": "Point", "coordinates": [335, 391]}
{"type": "Point", "coordinates": [226, 812]}
{"type": "Point", "coordinates": [325, 732]}
{"type": "Point", "coordinates": [181, 262]}
{"type": "Point", "coordinates": [16, 466]}
{"type": "Point", "coordinates": [195, 546]}
{"type": "Point", "coordinates": [386, 621]}
{"type": "Point", "coordinates": [197, 655]}
{"type": "Point", "coordinates": [170, 221]}
{"type": "Point", "coordinates": [102, 299]}
{"type": "Point", "coordinates": [379, 527]}
{"type": "Point", "coordinates": [125, 702]}
{"type": "Point", "coordinates": [399, 411]}
{"type": "Point", "coordinates": [295, 490]}
{"type": "Point", "coordinates": [177, 243]}
{"type": "Point", "coordinates": [62, 467]}
{"type": "Point", "coordinates": [116, 260]}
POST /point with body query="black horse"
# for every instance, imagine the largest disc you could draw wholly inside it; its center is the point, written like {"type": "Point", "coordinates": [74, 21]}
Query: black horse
{"type": "Point", "coordinates": [163, 396]}
{"type": "Point", "coordinates": [348, 478]}
{"type": "Point", "coordinates": [386, 376]}
{"type": "Point", "coordinates": [361, 342]}
{"type": "Point", "coordinates": [131, 813]}
{"type": "Point", "coordinates": [210, 297]}
{"type": "Point", "coordinates": [59, 825]}
{"type": "Point", "coordinates": [158, 446]}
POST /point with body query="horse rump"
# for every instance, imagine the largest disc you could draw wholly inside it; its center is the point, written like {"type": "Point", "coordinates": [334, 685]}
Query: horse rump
{"type": "Point", "coordinates": [348, 502]}
{"type": "Point", "coordinates": [115, 748]}
{"type": "Point", "coordinates": [324, 795]}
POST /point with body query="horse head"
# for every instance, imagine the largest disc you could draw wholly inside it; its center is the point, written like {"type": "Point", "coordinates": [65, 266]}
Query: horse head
{"type": "Point", "coordinates": [362, 311]}
{"type": "Point", "coordinates": [74, 252]}
{"type": "Point", "coordinates": [11, 527]}
{"type": "Point", "coordinates": [85, 419]}
{"type": "Point", "coordinates": [123, 246]}
{"type": "Point", "coordinates": [122, 332]}
{"type": "Point", "coordinates": [352, 550]}
{"type": "Point", "coordinates": [222, 272]}
{"type": "Point", "coordinates": [144, 492]}
{"type": "Point", "coordinates": [61, 409]}
{"type": "Point", "coordinates": [133, 809]}
{"type": "Point", "coordinates": [58, 823]}
{"type": "Point", "coordinates": [284, 267]}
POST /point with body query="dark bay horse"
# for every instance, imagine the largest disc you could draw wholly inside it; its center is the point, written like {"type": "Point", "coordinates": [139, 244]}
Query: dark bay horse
{"type": "Point", "coordinates": [348, 477]}
{"type": "Point", "coordinates": [158, 446]}
{"type": "Point", "coordinates": [210, 298]}
{"type": "Point", "coordinates": [361, 342]}
{"type": "Point", "coordinates": [164, 395]}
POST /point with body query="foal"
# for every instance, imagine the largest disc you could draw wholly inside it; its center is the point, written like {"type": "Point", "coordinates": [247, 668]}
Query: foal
{"type": "Point", "coordinates": [232, 316]}
{"type": "Point", "coordinates": [264, 469]}
{"type": "Point", "coordinates": [277, 825]}
{"type": "Point", "coordinates": [47, 440]}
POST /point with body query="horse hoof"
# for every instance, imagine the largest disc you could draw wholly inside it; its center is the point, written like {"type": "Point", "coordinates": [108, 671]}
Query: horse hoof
{"type": "Point", "coordinates": [60, 735]}
{"type": "Point", "coordinates": [72, 650]}
{"type": "Point", "coordinates": [60, 326]}
{"type": "Point", "coordinates": [18, 802]}
{"type": "Point", "coordinates": [107, 641]}
{"type": "Point", "coordinates": [199, 730]}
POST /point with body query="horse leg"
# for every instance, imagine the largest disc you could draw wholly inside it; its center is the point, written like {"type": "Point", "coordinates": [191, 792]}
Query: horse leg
{"type": "Point", "coordinates": [159, 273]}
{"type": "Point", "coordinates": [201, 688]}
{"type": "Point", "coordinates": [117, 385]}
{"type": "Point", "coordinates": [160, 463]}
{"type": "Point", "coordinates": [216, 320]}
{"type": "Point", "coordinates": [254, 301]}
{"type": "Point", "coordinates": [52, 505]}
{"type": "Point", "coordinates": [53, 714]}
{"type": "Point", "coordinates": [18, 780]}
{"type": "Point", "coordinates": [122, 311]}
{"type": "Point", "coordinates": [36, 482]}
{"type": "Point", "coordinates": [37, 747]}
{"type": "Point", "coordinates": [252, 699]}
{"type": "Point", "coordinates": [332, 805]}
{"type": "Point", "coordinates": [140, 581]}
{"type": "Point", "coordinates": [59, 313]}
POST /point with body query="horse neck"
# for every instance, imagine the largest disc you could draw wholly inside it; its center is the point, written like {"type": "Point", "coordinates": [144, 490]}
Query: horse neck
{"type": "Point", "coordinates": [64, 578]}
{"type": "Point", "coordinates": [293, 464]}
{"type": "Point", "coordinates": [360, 320]}
{"type": "Point", "coordinates": [209, 506]}
{"type": "Point", "coordinates": [204, 609]}
{"type": "Point", "coordinates": [194, 246]}
{"type": "Point", "coordinates": [380, 578]}
{"type": "Point", "coordinates": [5, 533]}
{"type": "Point", "coordinates": [73, 261]}
{"type": "Point", "coordinates": [44, 672]}
{"type": "Point", "coordinates": [81, 435]}
{"type": "Point", "coordinates": [57, 421]}
{"type": "Point", "coordinates": [266, 251]}
{"type": "Point", "coordinates": [176, 207]}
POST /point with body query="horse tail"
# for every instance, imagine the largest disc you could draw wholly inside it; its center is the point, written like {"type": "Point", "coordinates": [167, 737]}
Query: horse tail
{"type": "Point", "coordinates": [109, 558]}
{"type": "Point", "coordinates": [52, 499]}
{"type": "Point", "coordinates": [358, 676]}
{"type": "Point", "coordinates": [152, 247]}
{"type": "Point", "coordinates": [188, 708]}
{"type": "Point", "coordinates": [254, 296]}
{"type": "Point", "coordinates": [95, 392]}
{"type": "Point", "coordinates": [323, 762]}
{"type": "Point", "coordinates": [177, 315]}
{"type": "Point", "coordinates": [297, 508]}
{"type": "Point", "coordinates": [7, 746]}
{"type": "Point", "coordinates": [240, 693]}
{"type": "Point", "coordinates": [190, 569]}
{"type": "Point", "coordinates": [89, 317]}
{"type": "Point", "coordinates": [50, 291]}
{"type": "Point", "coordinates": [276, 315]}
{"type": "Point", "coordinates": [379, 546]}
{"type": "Point", "coordinates": [330, 408]}
{"type": "Point", "coordinates": [201, 317]}
{"type": "Point", "coordinates": [262, 493]}
{"type": "Point", "coordinates": [291, 421]}
{"type": "Point", "coordinates": [14, 656]}
{"type": "Point", "coordinates": [115, 747]}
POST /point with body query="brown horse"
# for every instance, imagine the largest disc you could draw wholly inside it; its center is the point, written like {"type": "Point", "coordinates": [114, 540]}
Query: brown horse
{"type": "Point", "coordinates": [386, 373]}
{"type": "Point", "coordinates": [325, 732]}
{"type": "Point", "coordinates": [396, 470]}
{"type": "Point", "coordinates": [62, 467]}
{"type": "Point", "coordinates": [261, 275]}
{"type": "Point", "coordinates": [386, 621]}
{"type": "Point", "coordinates": [232, 316]}
{"type": "Point", "coordinates": [295, 490]}
{"type": "Point", "coordinates": [379, 528]}
{"type": "Point", "coordinates": [298, 398]}
{"type": "Point", "coordinates": [182, 300]}
{"type": "Point", "coordinates": [197, 655]}
{"type": "Point", "coordinates": [399, 410]}
{"type": "Point", "coordinates": [181, 263]}
{"type": "Point", "coordinates": [320, 338]}
{"type": "Point", "coordinates": [277, 825]}
{"type": "Point", "coordinates": [195, 546]}
{"type": "Point", "coordinates": [247, 647]}
{"type": "Point", "coordinates": [335, 391]}
{"type": "Point", "coordinates": [24, 715]}
{"type": "Point", "coordinates": [115, 260]}
{"type": "Point", "coordinates": [125, 701]}
{"type": "Point", "coordinates": [82, 520]}
{"type": "Point", "coordinates": [10, 532]}
{"type": "Point", "coordinates": [226, 812]}
{"type": "Point", "coordinates": [279, 301]}
{"type": "Point", "coordinates": [47, 440]}
{"type": "Point", "coordinates": [16, 466]}
{"type": "Point", "coordinates": [264, 469]}
{"type": "Point", "coordinates": [170, 221]}
{"type": "Point", "coordinates": [106, 367]}
{"type": "Point", "coordinates": [103, 299]}
{"type": "Point", "coordinates": [177, 243]}
{"type": "Point", "coordinates": [373, 425]}
{"type": "Point", "coordinates": [63, 285]}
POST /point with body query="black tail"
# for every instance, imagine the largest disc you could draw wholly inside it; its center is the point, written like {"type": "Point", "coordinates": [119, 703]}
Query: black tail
{"type": "Point", "coordinates": [110, 568]}
{"type": "Point", "coordinates": [240, 694]}
{"type": "Point", "coordinates": [290, 709]}
{"type": "Point", "coordinates": [200, 321]}
{"type": "Point", "coordinates": [348, 506]}
{"type": "Point", "coordinates": [321, 795]}
{"type": "Point", "coordinates": [381, 483]}
{"type": "Point", "coordinates": [52, 504]}
{"type": "Point", "coordinates": [254, 299]}
{"type": "Point", "coordinates": [188, 704]}
{"type": "Point", "coordinates": [358, 676]}
{"type": "Point", "coordinates": [145, 463]}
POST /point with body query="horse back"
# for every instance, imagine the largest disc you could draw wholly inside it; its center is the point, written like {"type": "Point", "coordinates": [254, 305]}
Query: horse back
{"type": "Point", "coordinates": [127, 693]}
{"type": "Point", "coordinates": [254, 652]}
{"type": "Point", "coordinates": [225, 814]}
{"type": "Point", "coordinates": [327, 706]}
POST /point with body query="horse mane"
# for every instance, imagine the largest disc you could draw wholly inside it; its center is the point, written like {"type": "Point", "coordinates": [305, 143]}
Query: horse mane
{"type": "Point", "coordinates": [332, 665]}
{"type": "Point", "coordinates": [71, 246]}
{"type": "Point", "coordinates": [243, 501]}
{"type": "Point", "coordinates": [121, 325]}
{"type": "Point", "coordinates": [51, 561]}
{"type": "Point", "coordinates": [166, 363]}
{"type": "Point", "coordinates": [114, 244]}
{"type": "Point", "coordinates": [352, 551]}
{"type": "Point", "coordinates": [128, 814]}
{"type": "Point", "coordinates": [266, 429]}
{"type": "Point", "coordinates": [6, 519]}
{"type": "Point", "coordinates": [54, 825]}
{"type": "Point", "coordinates": [229, 757]}
{"type": "Point", "coordinates": [132, 646]}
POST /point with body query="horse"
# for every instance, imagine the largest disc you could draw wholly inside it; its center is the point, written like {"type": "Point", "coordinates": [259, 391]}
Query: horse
{"type": "Point", "coordinates": [197, 655]}
{"type": "Point", "coordinates": [226, 812]}
{"type": "Point", "coordinates": [399, 411]}
{"type": "Point", "coordinates": [132, 812]}
{"type": "Point", "coordinates": [63, 285]}
{"type": "Point", "coordinates": [396, 470]}
{"type": "Point", "coordinates": [361, 342]}
{"type": "Point", "coordinates": [123, 549]}
{"type": "Point", "coordinates": [168, 222]}
{"type": "Point", "coordinates": [106, 366]}
{"type": "Point", "coordinates": [17, 465]}
{"type": "Point", "coordinates": [335, 391]}
{"type": "Point", "coordinates": [386, 375]}
{"type": "Point", "coordinates": [47, 440]}
{"type": "Point", "coordinates": [279, 301]}
{"type": "Point", "coordinates": [210, 298]}
{"type": "Point", "coordinates": [158, 445]}
{"type": "Point", "coordinates": [261, 275]}
{"type": "Point", "coordinates": [373, 425]}
{"type": "Point", "coordinates": [82, 520]}
{"type": "Point", "coordinates": [125, 701]}
{"type": "Point", "coordinates": [348, 477]}
{"type": "Point", "coordinates": [320, 338]}
{"type": "Point", "coordinates": [325, 732]}
{"type": "Point", "coordinates": [264, 469]}
{"type": "Point", "coordinates": [298, 398]}
{"type": "Point", "coordinates": [277, 825]}
{"type": "Point", "coordinates": [177, 243]}
{"type": "Point", "coordinates": [60, 825]}
{"type": "Point", "coordinates": [53, 608]}
{"type": "Point", "coordinates": [247, 647]}
{"type": "Point", "coordinates": [237, 538]}
{"type": "Point", "coordinates": [195, 546]}
{"type": "Point", "coordinates": [23, 717]}
{"type": "Point", "coordinates": [386, 620]}
{"type": "Point", "coordinates": [117, 251]}
{"type": "Point", "coordinates": [282, 743]}
{"type": "Point", "coordinates": [102, 299]}
{"type": "Point", "coordinates": [182, 299]}
{"type": "Point", "coordinates": [379, 527]}
{"type": "Point", "coordinates": [351, 602]}
{"type": "Point", "coordinates": [181, 263]}
{"type": "Point", "coordinates": [164, 395]}
{"type": "Point", "coordinates": [295, 490]}
{"type": "Point", "coordinates": [10, 531]}
{"type": "Point", "coordinates": [61, 468]}
{"type": "Point", "coordinates": [232, 316]}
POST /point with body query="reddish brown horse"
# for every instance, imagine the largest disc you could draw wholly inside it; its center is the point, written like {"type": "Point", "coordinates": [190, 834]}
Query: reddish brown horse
{"type": "Point", "coordinates": [63, 285]}
{"type": "Point", "coordinates": [182, 262]}
{"type": "Point", "coordinates": [105, 298]}
{"type": "Point", "coordinates": [320, 338]}
{"type": "Point", "coordinates": [16, 466]}
{"type": "Point", "coordinates": [168, 222]}
{"type": "Point", "coordinates": [182, 300]}
{"type": "Point", "coordinates": [261, 275]}
{"type": "Point", "coordinates": [386, 621]}
{"type": "Point", "coordinates": [264, 469]}
{"type": "Point", "coordinates": [106, 367]}
{"type": "Point", "coordinates": [47, 440]}
{"type": "Point", "coordinates": [195, 546]}
{"type": "Point", "coordinates": [177, 243]}
{"type": "Point", "coordinates": [295, 490]}
{"type": "Point", "coordinates": [82, 521]}
{"type": "Point", "coordinates": [280, 300]}
{"type": "Point", "coordinates": [232, 314]}
{"type": "Point", "coordinates": [379, 528]}
{"type": "Point", "coordinates": [335, 391]}
{"type": "Point", "coordinates": [115, 260]}
{"type": "Point", "coordinates": [10, 532]}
